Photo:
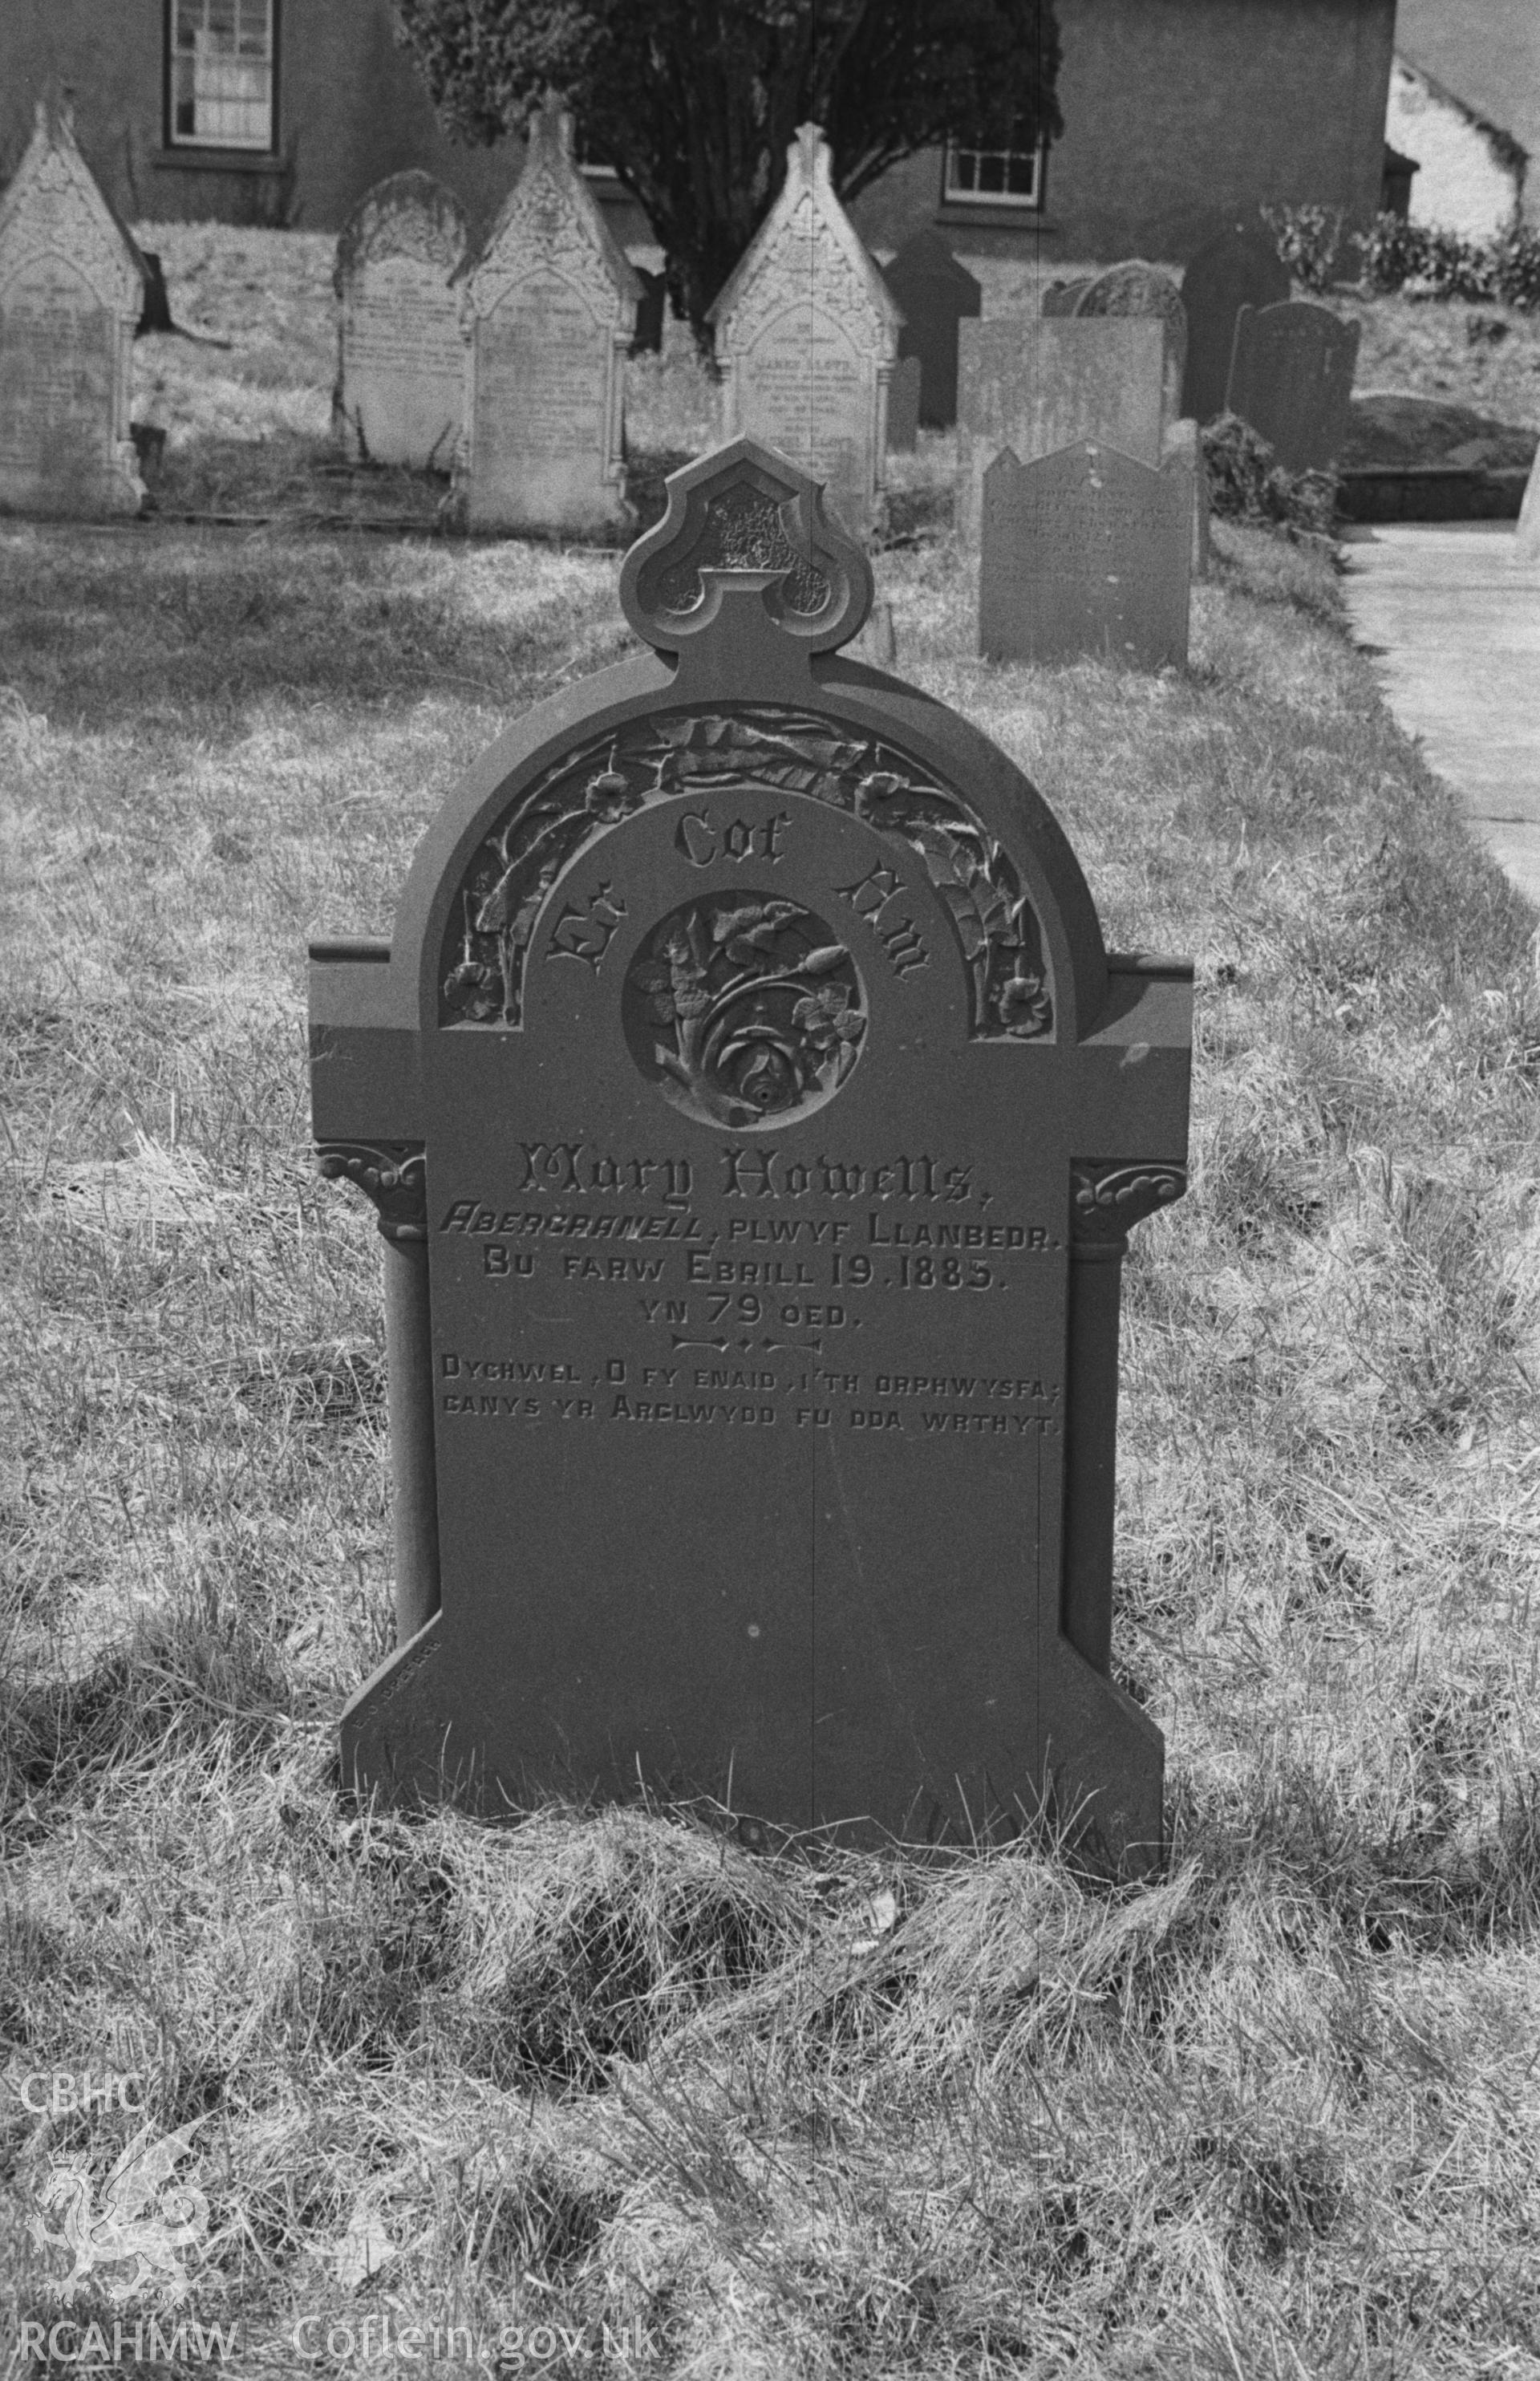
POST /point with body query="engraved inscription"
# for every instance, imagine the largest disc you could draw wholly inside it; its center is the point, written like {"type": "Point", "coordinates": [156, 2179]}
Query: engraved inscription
{"type": "Point", "coordinates": [759, 749]}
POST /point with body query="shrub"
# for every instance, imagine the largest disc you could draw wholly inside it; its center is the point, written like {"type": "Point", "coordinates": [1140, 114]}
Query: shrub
{"type": "Point", "coordinates": [1444, 265]}
{"type": "Point", "coordinates": [1307, 240]}
{"type": "Point", "coordinates": [1246, 484]}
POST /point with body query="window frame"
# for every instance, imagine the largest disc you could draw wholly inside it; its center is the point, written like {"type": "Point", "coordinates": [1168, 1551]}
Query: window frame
{"type": "Point", "coordinates": [994, 201]}
{"type": "Point", "coordinates": [192, 145]}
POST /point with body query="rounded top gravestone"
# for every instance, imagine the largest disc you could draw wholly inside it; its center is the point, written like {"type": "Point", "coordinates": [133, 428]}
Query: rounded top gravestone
{"type": "Point", "coordinates": [1138, 288]}
{"type": "Point", "coordinates": [748, 1070]}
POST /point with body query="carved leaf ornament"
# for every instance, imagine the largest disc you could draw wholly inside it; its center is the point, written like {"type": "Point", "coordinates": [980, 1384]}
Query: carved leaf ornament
{"type": "Point", "coordinates": [743, 511]}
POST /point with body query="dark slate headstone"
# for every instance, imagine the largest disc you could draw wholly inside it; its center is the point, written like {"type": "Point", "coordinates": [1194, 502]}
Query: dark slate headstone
{"type": "Point", "coordinates": [936, 293]}
{"type": "Point", "coordinates": [1061, 298]}
{"type": "Point", "coordinates": [755, 1118]}
{"type": "Point", "coordinates": [903, 406]}
{"type": "Point", "coordinates": [1291, 377]}
{"type": "Point", "coordinates": [1086, 554]}
{"type": "Point", "coordinates": [648, 337]}
{"type": "Point", "coordinates": [1239, 268]}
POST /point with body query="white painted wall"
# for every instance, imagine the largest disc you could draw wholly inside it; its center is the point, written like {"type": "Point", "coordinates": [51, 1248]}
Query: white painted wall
{"type": "Point", "coordinates": [1463, 185]}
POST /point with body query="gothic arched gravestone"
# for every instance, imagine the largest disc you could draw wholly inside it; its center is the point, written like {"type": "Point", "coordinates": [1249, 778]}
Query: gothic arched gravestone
{"type": "Point", "coordinates": [755, 1118]}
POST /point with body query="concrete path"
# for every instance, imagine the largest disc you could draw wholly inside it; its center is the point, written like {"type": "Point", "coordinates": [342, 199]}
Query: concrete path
{"type": "Point", "coordinates": [1452, 619]}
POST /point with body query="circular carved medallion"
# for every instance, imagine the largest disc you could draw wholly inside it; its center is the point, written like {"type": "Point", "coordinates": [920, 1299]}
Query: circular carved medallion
{"type": "Point", "coordinates": [743, 1007]}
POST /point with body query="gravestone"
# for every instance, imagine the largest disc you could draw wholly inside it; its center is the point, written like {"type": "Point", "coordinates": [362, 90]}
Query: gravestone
{"type": "Point", "coordinates": [647, 338]}
{"type": "Point", "coordinates": [934, 293]}
{"type": "Point", "coordinates": [755, 1118]}
{"type": "Point", "coordinates": [549, 307]}
{"type": "Point", "coordinates": [72, 292]}
{"type": "Point", "coordinates": [1182, 441]}
{"type": "Point", "coordinates": [1527, 538]}
{"type": "Point", "coordinates": [401, 357]}
{"type": "Point", "coordinates": [1036, 387]}
{"type": "Point", "coordinates": [877, 640]}
{"type": "Point", "coordinates": [1239, 268]}
{"type": "Point", "coordinates": [1138, 289]}
{"type": "Point", "coordinates": [1061, 298]}
{"type": "Point", "coordinates": [806, 339]}
{"type": "Point", "coordinates": [1085, 554]}
{"type": "Point", "coordinates": [903, 406]}
{"type": "Point", "coordinates": [1291, 377]}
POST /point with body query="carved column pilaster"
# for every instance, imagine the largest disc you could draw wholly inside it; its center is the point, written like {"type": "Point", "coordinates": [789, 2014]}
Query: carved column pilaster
{"type": "Point", "coordinates": [393, 1174]}
{"type": "Point", "coordinates": [1107, 1198]}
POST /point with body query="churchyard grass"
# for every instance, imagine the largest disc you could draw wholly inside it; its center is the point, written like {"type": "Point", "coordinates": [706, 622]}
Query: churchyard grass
{"type": "Point", "coordinates": [1279, 2113]}
{"type": "Point", "coordinates": [842, 2117]}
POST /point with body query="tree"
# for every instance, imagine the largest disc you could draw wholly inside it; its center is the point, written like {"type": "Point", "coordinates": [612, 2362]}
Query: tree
{"type": "Point", "coordinates": [694, 102]}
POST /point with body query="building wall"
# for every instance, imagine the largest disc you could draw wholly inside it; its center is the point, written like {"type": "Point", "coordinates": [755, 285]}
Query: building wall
{"type": "Point", "coordinates": [1181, 117]}
{"type": "Point", "coordinates": [1468, 179]}
{"type": "Point", "coordinates": [351, 110]}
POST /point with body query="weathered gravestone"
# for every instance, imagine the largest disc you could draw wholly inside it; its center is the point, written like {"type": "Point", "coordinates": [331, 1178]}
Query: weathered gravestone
{"type": "Point", "coordinates": [1085, 553]}
{"type": "Point", "coordinates": [806, 339]}
{"type": "Point", "coordinates": [1135, 288]}
{"type": "Point", "coordinates": [72, 292]}
{"type": "Point", "coordinates": [756, 1118]}
{"type": "Point", "coordinates": [401, 356]}
{"type": "Point", "coordinates": [1061, 298]}
{"type": "Point", "coordinates": [550, 309]}
{"type": "Point", "coordinates": [1184, 442]}
{"type": "Point", "coordinates": [1239, 268]}
{"type": "Point", "coordinates": [903, 406]}
{"type": "Point", "coordinates": [934, 293]}
{"type": "Point", "coordinates": [1291, 377]}
{"type": "Point", "coordinates": [1037, 386]}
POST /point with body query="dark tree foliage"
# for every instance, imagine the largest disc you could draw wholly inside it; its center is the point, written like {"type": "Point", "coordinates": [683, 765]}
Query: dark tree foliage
{"type": "Point", "coordinates": [694, 102]}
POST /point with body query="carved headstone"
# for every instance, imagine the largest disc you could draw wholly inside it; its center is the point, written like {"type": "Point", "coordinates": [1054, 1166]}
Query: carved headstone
{"type": "Point", "coordinates": [903, 406]}
{"type": "Point", "coordinates": [1291, 377]}
{"type": "Point", "coordinates": [806, 339]}
{"type": "Point", "coordinates": [934, 293]}
{"type": "Point", "coordinates": [401, 356]}
{"type": "Point", "coordinates": [1036, 387]}
{"type": "Point", "coordinates": [1085, 553]}
{"type": "Point", "coordinates": [1239, 268]}
{"type": "Point", "coordinates": [550, 308]}
{"type": "Point", "coordinates": [1061, 298]}
{"type": "Point", "coordinates": [1137, 289]}
{"type": "Point", "coordinates": [72, 292]}
{"type": "Point", "coordinates": [755, 1118]}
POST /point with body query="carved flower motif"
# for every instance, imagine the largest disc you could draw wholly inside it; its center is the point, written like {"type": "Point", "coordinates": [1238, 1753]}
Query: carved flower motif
{"type": "Point", "coordinates": [1023, 1005]}
{"type": "Point", "coordinates": [474, 990]}
{"type": "Point", "coordinates": [825, 1017]}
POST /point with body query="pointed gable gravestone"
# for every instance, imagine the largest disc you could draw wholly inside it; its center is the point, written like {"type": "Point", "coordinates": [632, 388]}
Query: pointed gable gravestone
{"type": "Point", "coordinates": [1138, 289]}
{"type": "Point", "coordinates": [1085, 554]}
{"type": "Point", "coordinates": [1291, 377]}
{"type": "Point", "coordinates": [754, 1118]}
{"type": "Point", "coordinates": [71, 291]}
{"type": "Point", "coordinates": [806, 339]}
{"type": "Point", "coordinates": [934, 293]}
{"type": "Point", "coordinates": [1037, 386]}
{"type": "Point", "coordinates": [401, 362]}
{"type": "Point", "coordinates": [550, 307]}
{"type": "Point", "coordinates": [1239, 268]}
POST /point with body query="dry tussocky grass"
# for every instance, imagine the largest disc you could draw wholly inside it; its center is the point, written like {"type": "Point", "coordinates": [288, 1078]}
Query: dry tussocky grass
{"type": "Point", "coordinates": [1278, 2115]}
